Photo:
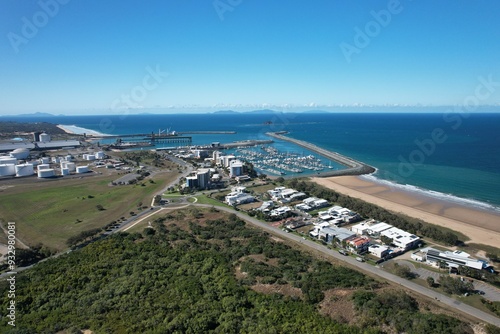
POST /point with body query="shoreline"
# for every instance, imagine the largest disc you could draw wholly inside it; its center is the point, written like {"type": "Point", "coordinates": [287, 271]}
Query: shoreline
{"type": "Point", "coordinates": [76, 130]}
{"type": "Point", "coordinates": [480, 225]}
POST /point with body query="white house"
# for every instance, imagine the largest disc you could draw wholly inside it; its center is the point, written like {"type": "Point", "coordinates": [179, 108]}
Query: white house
{"type": "Point", "coordinates": [378, 250]}
{"type": "Point", "coordinates": [401, 238]}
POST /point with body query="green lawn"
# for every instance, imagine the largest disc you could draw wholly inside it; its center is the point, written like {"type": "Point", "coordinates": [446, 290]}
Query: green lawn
{"type": "Point", "coordinates": [202, 199]}
{"type": "Point", "coordinates": [53, 211]}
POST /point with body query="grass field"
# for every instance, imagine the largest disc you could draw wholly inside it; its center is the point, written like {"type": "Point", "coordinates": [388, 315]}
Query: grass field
{"type": "Point", "coordinates": [202, 199]}
{"type": "Point", "coordinates": [51, 212]}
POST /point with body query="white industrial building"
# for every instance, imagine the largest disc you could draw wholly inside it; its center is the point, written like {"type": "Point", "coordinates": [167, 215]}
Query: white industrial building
{"type": "Point", "coordinates": [44, 137]}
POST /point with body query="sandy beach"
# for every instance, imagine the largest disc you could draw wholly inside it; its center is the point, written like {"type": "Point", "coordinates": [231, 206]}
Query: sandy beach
{"type": "Point", "coordinates": [76, 130]}
{"type": "Point", "coordinates": [65, 129]}
{"type": "Point", "coordinates": [481, 226]}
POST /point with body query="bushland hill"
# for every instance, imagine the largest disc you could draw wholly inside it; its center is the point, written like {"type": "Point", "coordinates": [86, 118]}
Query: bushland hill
{"type": "Point", "coordinates": [200, 271]}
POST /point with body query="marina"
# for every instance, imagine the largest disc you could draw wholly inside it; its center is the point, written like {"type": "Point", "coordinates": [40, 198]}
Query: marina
{"type": "Point", "coordinates": [354, 167]}
{"type": "Point", "coordinates": [270, 160]}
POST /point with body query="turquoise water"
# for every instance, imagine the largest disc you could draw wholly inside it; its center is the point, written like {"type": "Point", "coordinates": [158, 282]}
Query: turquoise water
{"type": "Point", "coordinates": [444, 154]}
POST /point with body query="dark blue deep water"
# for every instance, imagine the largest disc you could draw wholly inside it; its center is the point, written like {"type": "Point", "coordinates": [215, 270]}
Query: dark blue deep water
{"type": "Point", "coordinates": [449, 154]}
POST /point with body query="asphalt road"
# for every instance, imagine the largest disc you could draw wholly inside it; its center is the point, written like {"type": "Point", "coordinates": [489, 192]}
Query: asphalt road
{"type": "Point", "coordinates": [453, 303]}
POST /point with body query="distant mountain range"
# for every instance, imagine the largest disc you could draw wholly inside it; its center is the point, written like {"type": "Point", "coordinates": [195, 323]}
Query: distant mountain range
{"type": "Point", "coordinates": [37, 114]}
{"type": "Point", "coordinates": [267, 111]}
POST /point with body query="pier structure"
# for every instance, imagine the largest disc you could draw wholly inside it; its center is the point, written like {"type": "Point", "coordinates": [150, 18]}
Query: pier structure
{"type": "Point", "coordinates": [354, 167]}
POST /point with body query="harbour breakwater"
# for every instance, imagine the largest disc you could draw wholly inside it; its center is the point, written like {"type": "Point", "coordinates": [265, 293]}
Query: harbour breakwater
{"type": "Point", "coordinates": [354, 167]}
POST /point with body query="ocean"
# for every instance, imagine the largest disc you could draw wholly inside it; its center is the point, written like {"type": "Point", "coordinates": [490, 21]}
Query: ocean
{"type": "Point", "coordinates": [453, 156]}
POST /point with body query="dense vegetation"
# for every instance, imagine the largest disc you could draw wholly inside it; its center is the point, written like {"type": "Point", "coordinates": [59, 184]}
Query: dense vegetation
{"type": "Point", "coordinates": [400, 311]}
{"type": "Point", "coordinates": [9, 128]}
{"type": "Point", "coordinates": [412, 225]}
{"type": "Point", "coordinates": [180, 277]}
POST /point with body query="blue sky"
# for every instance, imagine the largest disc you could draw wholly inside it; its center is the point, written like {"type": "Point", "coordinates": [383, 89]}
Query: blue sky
{"type": "Point", "coordinates": [99, 55]}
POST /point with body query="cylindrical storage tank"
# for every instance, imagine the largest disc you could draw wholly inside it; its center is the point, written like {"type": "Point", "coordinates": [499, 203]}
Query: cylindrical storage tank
{"type": "Point", "coordinates": [71, 166]}
{"type": "Point", "coordinates": [44, 137]}
{"type": "Point", "coordinates": [56, 160]}
{"type": "Point", "coordinates": [69, 157]}
{"type": "Point", "coordinates": [46, 173]}
{"type": "Point", "coordinates": [90, 157]}
{"type": "Point", "coordinates": [85, 156]}
{"type": "Point", "coordinates": [24, 170]}
{"type": "Point", "coordinates": [99, 155]}
{"type": "Point", "coordinates": [64, 171]}
{"type": "Point", "coordinates": [8, 161]}
{"type": "Point", "coordinates": [43, 166]}
{"type": "Point", "coordinates": [64, 164]}
{"type": "Point", "coordinates": [7, 170]}
{"type": "Point", "coordinates": [82, 169]}
{"type": "Point", "coordinates": [20, 153]}
{"type": "Point", "coordinates": [45, 160]}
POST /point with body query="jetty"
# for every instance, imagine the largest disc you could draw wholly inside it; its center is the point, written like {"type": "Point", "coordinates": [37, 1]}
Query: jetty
{"type": "Point", "coordinates": [354, 167]}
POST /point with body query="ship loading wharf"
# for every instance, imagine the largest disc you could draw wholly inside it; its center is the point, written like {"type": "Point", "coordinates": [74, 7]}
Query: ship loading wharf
{"type": "Point", "coordinates": [146, 139]}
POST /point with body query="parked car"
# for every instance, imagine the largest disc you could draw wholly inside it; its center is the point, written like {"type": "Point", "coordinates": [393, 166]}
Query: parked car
{"type": "Point", "coordinates": [343, 251]}
{"type": "Point", "coordinates": [360, 259]}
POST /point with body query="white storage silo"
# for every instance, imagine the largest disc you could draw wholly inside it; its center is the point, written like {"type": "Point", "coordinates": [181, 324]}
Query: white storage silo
{"type": "Point", "coordinates": [64, 164]}
{"type": "Point", "coordinates": [44, 137]}
{"type": "Point", "coordinates": [71, 166]}
{"type": "Point", "coordinates": [7, 170]}
{"type": "Point", "coordinates": [90, 157]}
{"type": "Point", "coordinates": [82, 169]}
{"type": "Point", "coordinates": [45, 160]}
{"type": "Point", "coordinates": [69, 157]}
{"type": "Point", "coordinates": [56, 160]}
{"type": "Point", "coordinates": [8, 160]}
{"type": "Point", "coordinates": [43, 173]}
{"type": "Point", "coordinates": [99, 155]}
{"type": "Point", "coordinates": [64, 171]}
{"type": "Point", "coordinates": [43, 166]}
{"type": "Point", "coordinates": [20, 153]}
{"type": "Point", "coordinates": [24, 170]}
